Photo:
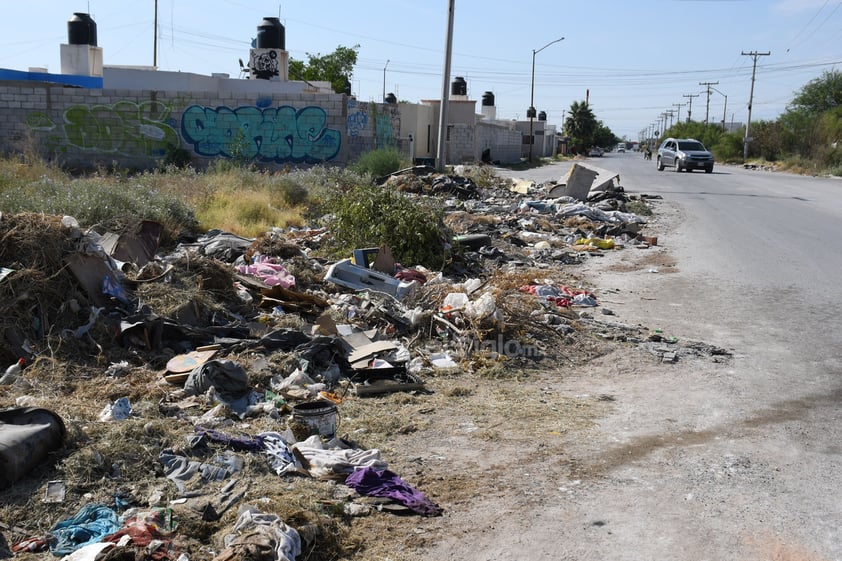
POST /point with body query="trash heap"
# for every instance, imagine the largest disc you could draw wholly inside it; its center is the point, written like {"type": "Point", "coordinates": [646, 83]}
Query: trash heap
{"type": "Point", "coordinates": [162, 391]}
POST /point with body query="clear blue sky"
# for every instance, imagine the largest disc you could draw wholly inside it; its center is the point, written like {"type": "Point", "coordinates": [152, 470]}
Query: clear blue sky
{"type": "Point", "coordinates": [637, 59]}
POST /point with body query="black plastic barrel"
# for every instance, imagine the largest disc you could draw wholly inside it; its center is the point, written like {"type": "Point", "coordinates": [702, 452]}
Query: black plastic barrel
{"type": "Point", "coordinates": [81, 30]}
{"type": "Point", "coordinates": [488, 99]}
{"type": "Point", "coordinates": [271, 34]}
{"type": "Point", "coordinates": [459, 86]}
{"type": "Point", "coordinates": [542, 116]}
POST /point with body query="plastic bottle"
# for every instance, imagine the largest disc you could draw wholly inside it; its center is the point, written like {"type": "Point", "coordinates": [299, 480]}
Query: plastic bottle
{"type": "Point", "coordinates": [12, 373]}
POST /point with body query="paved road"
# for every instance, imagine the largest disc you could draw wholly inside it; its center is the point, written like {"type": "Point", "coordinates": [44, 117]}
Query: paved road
{"type": "Point", "coordinates": [743, 462]}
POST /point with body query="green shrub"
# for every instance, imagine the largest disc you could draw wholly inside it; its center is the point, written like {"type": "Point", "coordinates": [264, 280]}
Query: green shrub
{"type": "Point", "coordinates": [176, 156]}
{"type": "Point", "coordinates": [288, 190]}
{"type": "Point", "coordinates": [368, 216]}
{"type": "Point", "coordinates": [378, 163]}
{"type": "Point", "coordinates": [729, 148]}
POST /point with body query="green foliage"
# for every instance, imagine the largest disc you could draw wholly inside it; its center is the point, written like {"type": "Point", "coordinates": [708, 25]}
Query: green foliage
{"type": "Point", "coordinates": [580, 126]}
{"type": "Point", "coordinates": [378, 163]}
{"type": "Point", "coordinates": [96, 200]}
{"type": "Point", "coordinates": [767, 140]}
{"type": "Point", "coordinates": [368, 216]}
{"type": "Point", "coordinates": [820, 95]}
{"type": "Point", "coordinates": [603, 136]}
{"type": "Point", "coordinates": [729, 148]}
{"type": "Point", "coordinates": [289, 191]}
{"type": "Point", "coordinates": [336, 67]}
{"type": "Point", "coordinates": [176, 156]}
{"type": "Point", "coordinates": [708, 135]}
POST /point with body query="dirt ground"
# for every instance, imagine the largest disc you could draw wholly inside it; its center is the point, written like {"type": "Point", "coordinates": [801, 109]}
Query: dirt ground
{"type": "Point", "coordinates": [521, 455]}
{"type": "Point", "coordinates": [519, 462]}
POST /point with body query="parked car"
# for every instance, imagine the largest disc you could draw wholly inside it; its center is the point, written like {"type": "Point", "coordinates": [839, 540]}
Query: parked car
{"type": "Point", "coordinates": [684, 154]}
{"type": "Point", "coordinates": [595, 152]}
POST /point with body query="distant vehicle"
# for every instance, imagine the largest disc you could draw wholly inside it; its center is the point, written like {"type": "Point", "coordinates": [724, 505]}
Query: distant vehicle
{"type": "Point", "coordinates": [621, 148]}
{"type": "Point", "coordinates": [684, 154]}
{"type": "Point", "coordinates": [595, 152]}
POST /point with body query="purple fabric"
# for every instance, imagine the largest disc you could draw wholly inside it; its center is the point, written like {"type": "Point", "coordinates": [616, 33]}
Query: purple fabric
{"type": "Point", "coordinates": [384, 483]}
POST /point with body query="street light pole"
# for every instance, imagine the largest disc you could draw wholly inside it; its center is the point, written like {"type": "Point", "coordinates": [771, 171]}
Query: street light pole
{"type": "Point", "coordinates": [724, 108]}
{"type": "Point", "coordinates": [531, 111]}
{"type": "Point", "coordinates": [384, 79]}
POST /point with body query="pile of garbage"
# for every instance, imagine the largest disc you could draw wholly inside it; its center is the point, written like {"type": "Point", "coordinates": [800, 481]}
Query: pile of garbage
{"type": "Point", "coordinates": [146, 388]}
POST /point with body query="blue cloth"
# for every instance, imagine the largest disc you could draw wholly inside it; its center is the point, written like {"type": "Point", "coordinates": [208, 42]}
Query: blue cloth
{"type": "Point", "coordinates": [92, 523]}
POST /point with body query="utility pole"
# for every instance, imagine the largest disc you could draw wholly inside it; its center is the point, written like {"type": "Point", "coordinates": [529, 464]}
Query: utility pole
{"type": "Point", "coordinates": [690, 104]}
{"type": "Point", "coordinates": [678, 111]}
{"type": "Point", "coordinates": [754, 55]}
{"type": "Point", "coordinates": [155, 45]}
{"type": "Point", "coordinates": [383, 99]}
{"type": "Point", "coordinates": [670, 113]}
{"type": "Point", "coordinates": [441, 154]}
{"type": "Point", "coordinates": [707, 104]}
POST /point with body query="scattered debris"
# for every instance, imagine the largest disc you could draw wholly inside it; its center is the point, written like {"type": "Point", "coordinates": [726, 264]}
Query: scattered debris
{"type": "Point", "coordinates": [226, 359]}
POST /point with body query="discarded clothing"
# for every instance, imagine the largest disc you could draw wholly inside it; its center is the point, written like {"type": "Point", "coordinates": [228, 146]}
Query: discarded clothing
{"type": "Point", "coordinates": [384, 483]}
{"type": "Point", "coordinates": [277, 452]}
{"type": "Point", "coordinates": [89, 525]}
{"type": "Point", "coordinates": [283, 340]}
{"type": "Point", "coordinates": [227, 377]}
{"type": "Point", "coordinates": [223, 246]}
{"type": "Point", "coordinates": [239, 443]}
{"type": "Point", "coordinates": [562, 296]}
{"type": "Point", "coordinates": [268, 271]}
{"type": "Point", "coordinates": [336, 462]}
{"type": "Point", "coordinates": [261, 537]}
{"type": "Point", "coordinates": [615, 216]}
{"type": "Point", "coordinates": [181, 470]}
{"type": "Point", "coordinates": [145, 526]}
{"type": "Point", "coordinates": [409, 275]}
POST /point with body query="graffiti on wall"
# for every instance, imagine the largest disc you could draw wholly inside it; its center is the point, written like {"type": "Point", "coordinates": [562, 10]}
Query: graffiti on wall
{"type": "Point", "coordinates": [357, 118]}
{"type": "Point", "coordinates": [384, 129]}
{"type": "Point", "coordinates": [281, 134]}
{"type": "Point", "coordinates": [381, 119]}
{"type": "Point", "coordinates": [126, 128]}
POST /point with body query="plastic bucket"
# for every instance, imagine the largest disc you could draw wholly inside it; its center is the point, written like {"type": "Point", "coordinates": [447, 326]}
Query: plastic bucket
{"type": "Point", "coordinates": [319, 417]}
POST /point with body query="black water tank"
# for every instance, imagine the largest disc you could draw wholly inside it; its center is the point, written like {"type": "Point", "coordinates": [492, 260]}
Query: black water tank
{"type": "Point", "coordinates": [530, 113]}
{"type": "Point", "coordinates": [488, 99]}
{"type": "Point", "coordinates": [542, 116]}
{"type": "Point", "coordinates": [271, 34]}
{"type": "Point", "coordinates": [390, 98]}
{"type": "Point", "coordinates": [81, 30]}
{"type": "Point", "coordinates": [459, 86]}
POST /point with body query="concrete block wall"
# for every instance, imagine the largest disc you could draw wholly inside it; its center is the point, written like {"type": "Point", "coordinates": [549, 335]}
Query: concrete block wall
{"type": "Point", "coordinates": [460, 144]}
{"type": "Point", "coordinates": [502, 142]}
{"type": "Point", "coordinates": [137, 129]}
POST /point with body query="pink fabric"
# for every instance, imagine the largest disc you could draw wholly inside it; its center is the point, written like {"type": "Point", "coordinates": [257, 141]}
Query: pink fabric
{"type": "Point", "coordinates": [270, 272]}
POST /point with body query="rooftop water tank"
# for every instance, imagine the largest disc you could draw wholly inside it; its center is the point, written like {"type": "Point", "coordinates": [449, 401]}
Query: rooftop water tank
{"type": "Point", "coordinates": [81, 30]}
{"type": "Point", "coordinates": [488, 99]}
{"type": "Point", "coordinates": [390, 98]}
{"type": "Point", "coordinates": [271, 34]}
{"type": "Point", "coordinates": [459, 86]}
{"type": "Point", "coordinates": [542, 116]}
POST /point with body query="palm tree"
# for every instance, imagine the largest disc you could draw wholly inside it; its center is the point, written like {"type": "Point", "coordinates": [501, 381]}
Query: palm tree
{"type": "Point", "coordinates": [580, 126]}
